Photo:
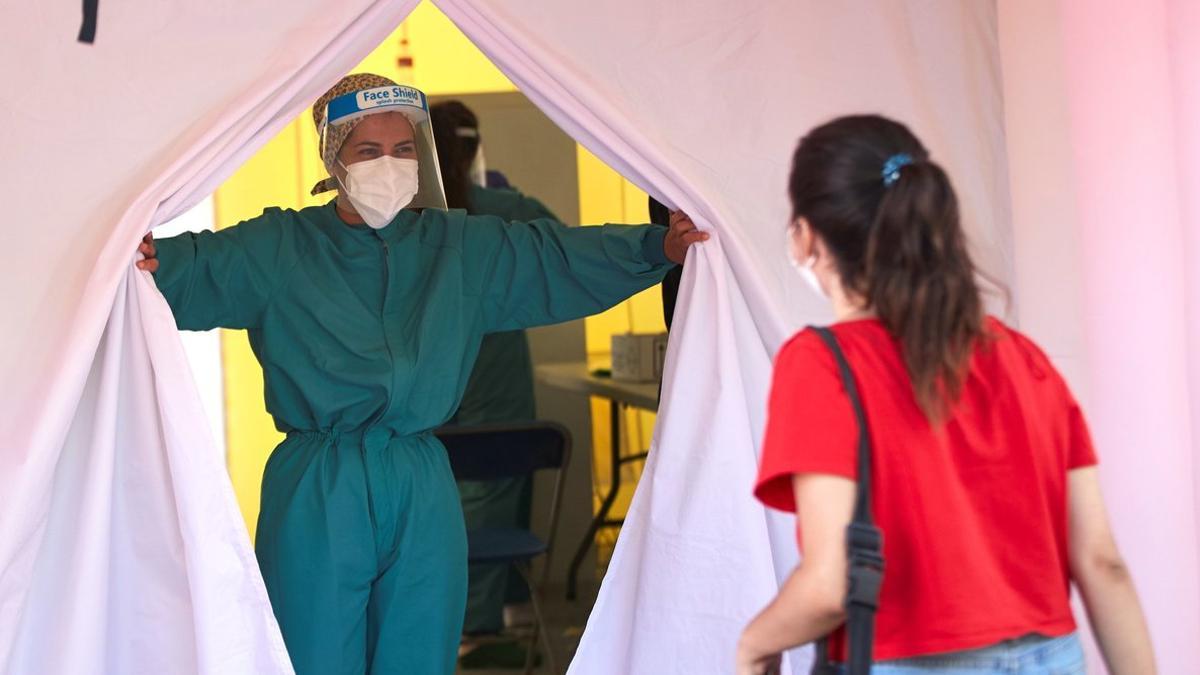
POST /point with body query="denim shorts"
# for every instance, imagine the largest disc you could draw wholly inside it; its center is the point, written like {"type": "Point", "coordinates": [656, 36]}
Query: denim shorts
{"type": "Point", "coordinates": [1032, 655]}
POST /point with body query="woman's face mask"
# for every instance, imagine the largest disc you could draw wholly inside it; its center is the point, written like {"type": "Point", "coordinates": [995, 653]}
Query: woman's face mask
{"type": "Point", "coordinates": [379, 188]}
{"type": "Point", "coordinates": [804, 267]}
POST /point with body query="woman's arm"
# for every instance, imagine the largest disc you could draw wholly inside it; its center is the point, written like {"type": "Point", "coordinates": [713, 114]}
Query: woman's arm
{"type": "Point", "coordinates": [811, 602]}
{"type": "Point", "coordinates": [221, 279]}
{"type": "Point", "coordinates": [1103, 580]}
{"type": "Point", "coordinates": [542, 272]}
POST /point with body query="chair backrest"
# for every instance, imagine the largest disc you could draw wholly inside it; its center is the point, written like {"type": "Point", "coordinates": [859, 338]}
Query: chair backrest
{"type": "Point", "coordinates": [506, 450]}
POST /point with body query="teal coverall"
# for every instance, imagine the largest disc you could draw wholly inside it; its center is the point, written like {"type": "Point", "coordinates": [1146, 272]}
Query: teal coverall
{"type": "Point", "coordinates": [366, 338]}
{"type": "Point", "coordinates": [499, 391]}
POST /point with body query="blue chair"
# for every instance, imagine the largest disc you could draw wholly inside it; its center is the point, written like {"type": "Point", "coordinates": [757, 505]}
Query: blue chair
{"type": "Point", "coordinates": [507, 451]}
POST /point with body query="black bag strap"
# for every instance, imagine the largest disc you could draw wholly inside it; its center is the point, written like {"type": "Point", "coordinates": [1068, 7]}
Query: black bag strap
{"type": "Point", "coordinates": [864, 541]}
{"type": "Point", "coordinates": [87, 31]}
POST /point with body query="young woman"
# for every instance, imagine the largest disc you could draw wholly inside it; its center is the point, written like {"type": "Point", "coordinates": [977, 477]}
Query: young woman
{"type": "Point", "coordinates": [983, 474]}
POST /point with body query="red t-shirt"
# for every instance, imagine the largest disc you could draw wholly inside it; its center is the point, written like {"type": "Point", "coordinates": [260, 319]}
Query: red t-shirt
{"type": "Point", "coordinates": [973, 512]}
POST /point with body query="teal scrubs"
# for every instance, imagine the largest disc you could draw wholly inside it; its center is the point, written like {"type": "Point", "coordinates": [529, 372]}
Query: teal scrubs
{"type": "Point", "coordinates": [366, 339]}
{"type": "Point", "coordinates": [499, 391]}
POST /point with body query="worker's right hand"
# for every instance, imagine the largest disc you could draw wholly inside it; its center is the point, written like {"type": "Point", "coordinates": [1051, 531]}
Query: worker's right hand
{"type": "Point", "coordinates": [150, 263]}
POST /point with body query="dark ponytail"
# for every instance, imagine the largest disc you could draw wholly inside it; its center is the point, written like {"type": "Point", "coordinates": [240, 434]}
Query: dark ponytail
{"type": "Point", "coordinates": [898, 245]}
{"type": "Point", "coordinates": [920, 280]}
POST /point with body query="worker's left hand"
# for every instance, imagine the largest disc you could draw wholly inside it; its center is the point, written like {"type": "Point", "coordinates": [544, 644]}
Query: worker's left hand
{"type": "Point", "coordinates": [681, 234]}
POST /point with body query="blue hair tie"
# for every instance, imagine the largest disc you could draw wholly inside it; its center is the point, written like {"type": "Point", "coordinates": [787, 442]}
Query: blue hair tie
{"type": "Point", "coordinates": [891, 168]}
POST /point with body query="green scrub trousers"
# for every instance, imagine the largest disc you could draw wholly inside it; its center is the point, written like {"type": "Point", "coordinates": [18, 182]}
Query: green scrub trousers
{"type": "Point", "coordinates": [366, 338]}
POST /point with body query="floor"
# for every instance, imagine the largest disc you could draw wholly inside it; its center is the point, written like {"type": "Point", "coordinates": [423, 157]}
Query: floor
{"type": "Point", "coordinates": [566, 620]}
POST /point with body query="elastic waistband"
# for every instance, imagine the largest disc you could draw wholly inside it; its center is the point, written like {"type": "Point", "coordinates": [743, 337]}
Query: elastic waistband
{"type": "Point", "coordinates": [374, 437]}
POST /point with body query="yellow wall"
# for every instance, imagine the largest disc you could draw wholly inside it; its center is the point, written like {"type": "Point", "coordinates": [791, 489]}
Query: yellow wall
{"type": "Point", "coordinates": [604, 196]}
{"type": "Point", "coordinates": [443, 61]}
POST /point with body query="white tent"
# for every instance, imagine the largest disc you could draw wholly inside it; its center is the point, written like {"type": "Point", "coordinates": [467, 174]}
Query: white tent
{"type": "Point", "coordinates": [1071, 131]}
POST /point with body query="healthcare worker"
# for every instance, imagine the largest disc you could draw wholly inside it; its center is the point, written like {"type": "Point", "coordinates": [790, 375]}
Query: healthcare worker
{"type": "Point", "coordinates": [366, 314]}
{"type": "Point", "coordinates": [499, 391]}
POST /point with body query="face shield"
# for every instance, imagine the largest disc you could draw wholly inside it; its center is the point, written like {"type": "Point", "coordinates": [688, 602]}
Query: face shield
{"type": "Point", "coordinates": [343, 113]}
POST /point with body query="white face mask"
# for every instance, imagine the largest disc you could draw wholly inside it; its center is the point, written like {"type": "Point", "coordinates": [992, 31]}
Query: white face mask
{"type": "Point", "coordinates": [380, 187]}
{"type": "Point", "coordinates": [805, 268]}
{"type": "Point", "coordinates": [810, 276]}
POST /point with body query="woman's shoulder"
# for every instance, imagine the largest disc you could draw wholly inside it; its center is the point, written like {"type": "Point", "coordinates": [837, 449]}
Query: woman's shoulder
{"type": "Point", "coordinates": [801, 342]}
{"type": "Point", "coordinates": [508, 204]}
{"type": "Point", "coordinates": [1008, 353]}
{"type": "Point", "coordinates": [441, 228]}
{"type": "Point", "coordinates": [851, 337]}
{"type": "Point", "coordinates": [804, 354]}
{"type": "Point", "coordinates": [279, 218]}
{"type": "Point", "coordinates": [273, 225]}
{"type": "Point", "coordinates": [298, 229]}
{"type": "Point", "coordinates": [1008, 343]}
